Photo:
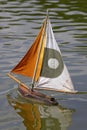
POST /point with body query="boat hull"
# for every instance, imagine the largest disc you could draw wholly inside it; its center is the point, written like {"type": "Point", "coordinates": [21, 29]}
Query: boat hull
{"type": "Point", "coordinates": [28, 94]}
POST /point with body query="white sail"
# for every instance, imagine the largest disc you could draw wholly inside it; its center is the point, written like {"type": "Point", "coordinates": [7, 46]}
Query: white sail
{"type": "Point", "coordinates": [54, 74]}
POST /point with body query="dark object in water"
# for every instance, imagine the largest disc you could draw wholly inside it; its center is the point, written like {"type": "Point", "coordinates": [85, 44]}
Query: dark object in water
{"type": "Point", "coordinates": [28, 93]}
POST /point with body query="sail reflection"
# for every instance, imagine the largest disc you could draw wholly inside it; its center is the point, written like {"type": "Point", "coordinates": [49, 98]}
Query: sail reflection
{"type": "Point", "coordinates": [40, 116]}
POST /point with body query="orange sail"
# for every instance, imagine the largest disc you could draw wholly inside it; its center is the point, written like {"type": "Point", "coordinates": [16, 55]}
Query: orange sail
{"type": "Point", "coordinates": [27, 65]}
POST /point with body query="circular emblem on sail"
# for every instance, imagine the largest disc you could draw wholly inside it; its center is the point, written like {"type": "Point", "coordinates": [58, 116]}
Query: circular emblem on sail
{"type": "Point", "coordinates": [52, 64]}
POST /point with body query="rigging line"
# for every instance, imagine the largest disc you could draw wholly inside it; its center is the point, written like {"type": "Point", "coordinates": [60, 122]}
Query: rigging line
{"type": "Point", "coordinates": [36, 66]}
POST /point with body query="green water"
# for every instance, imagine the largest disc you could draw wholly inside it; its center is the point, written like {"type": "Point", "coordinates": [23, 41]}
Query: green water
{"type": "Point", "coordinates": [20, 21]}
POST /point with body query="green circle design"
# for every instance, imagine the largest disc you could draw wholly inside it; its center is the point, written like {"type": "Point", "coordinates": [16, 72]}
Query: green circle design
{"type": "Point", "coordinates": [46, 70]}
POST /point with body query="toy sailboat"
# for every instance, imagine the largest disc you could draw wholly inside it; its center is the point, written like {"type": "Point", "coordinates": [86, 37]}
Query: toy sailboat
{"type": "Point", "coordinates": [44, 65]}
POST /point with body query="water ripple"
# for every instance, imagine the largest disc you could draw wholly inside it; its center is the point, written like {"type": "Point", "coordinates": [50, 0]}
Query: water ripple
{"type": "Point", "coordinates": [20, 21]}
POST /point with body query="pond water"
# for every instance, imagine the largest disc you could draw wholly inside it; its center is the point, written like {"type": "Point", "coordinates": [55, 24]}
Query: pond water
{"type": "Point", "coordinates": [20, 21]}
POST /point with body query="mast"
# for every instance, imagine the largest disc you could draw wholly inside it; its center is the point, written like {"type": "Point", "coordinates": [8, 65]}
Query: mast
{"type": "Point", "coordinates": [37, 61]}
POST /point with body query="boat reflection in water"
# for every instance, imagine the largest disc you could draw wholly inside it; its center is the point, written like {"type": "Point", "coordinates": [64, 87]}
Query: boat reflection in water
{"type": "Point", "coordinates": [38, 116]}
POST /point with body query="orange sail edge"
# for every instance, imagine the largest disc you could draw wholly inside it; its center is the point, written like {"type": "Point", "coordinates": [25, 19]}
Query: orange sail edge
{"type": "Point", "coordinates": [27, 64]}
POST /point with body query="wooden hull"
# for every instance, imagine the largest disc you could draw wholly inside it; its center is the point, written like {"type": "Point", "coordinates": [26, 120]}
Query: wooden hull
{"type": "Point", "coordinates": [37, 96]}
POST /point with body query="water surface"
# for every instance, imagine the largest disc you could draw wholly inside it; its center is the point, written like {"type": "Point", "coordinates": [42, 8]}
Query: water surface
{"type": "Point", "coordinates": [20, 21]}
